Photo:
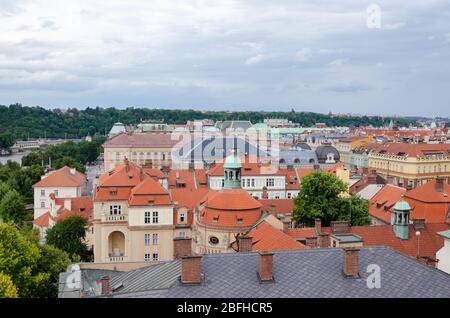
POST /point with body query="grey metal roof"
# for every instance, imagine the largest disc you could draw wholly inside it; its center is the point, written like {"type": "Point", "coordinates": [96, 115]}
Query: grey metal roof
{"type": "Point", "coordinates": [308, 273]}
{"type": "Point", "coordinates": [298, 156]}
{"type": "Point", "coordinates": [369, 191]}
{"type": "Point", "coordinates": [159, 276]}
{"type": "Point", "coordinates": [347, 238]}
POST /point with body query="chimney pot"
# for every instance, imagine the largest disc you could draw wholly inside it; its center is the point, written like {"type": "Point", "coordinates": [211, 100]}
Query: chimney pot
{"type": "Point", "coordinates": [245, 243]}
{"type": "Point", "coordinates": [286, 226]}
{"type": "Point", "coordinates": [265, 266]}
{"type": "Point", "coordinates": [182, 246]}
{"type": "Point", "coordinates": [106, 287]}
{"type": "Point", "coordinates": [323, 240]}
{"type": "Point", "coordinates": [351, 262]}
{"type": "Point", "coordinates": [191, 269]}
{"type": "Point", "coordinates": [318, 226]}
{"type": "Point", "coordinates": [311, 242]}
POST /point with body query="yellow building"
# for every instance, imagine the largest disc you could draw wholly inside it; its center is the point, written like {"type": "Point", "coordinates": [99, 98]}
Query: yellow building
{"type": "Point", "coordinates": [346, 145]}
{"type": "Point", "coordinates": [134, 218]}
{"type": "Point", "coordinates": [411, 165]}
{"type": "Point", "coordinates": [152, 149]}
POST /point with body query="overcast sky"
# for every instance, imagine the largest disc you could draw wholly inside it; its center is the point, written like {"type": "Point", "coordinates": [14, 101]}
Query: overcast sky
{"type": "Point", "coordinates": [232, 55]}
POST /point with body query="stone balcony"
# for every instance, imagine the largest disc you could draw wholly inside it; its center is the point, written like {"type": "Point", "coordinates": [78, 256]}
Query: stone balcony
{"type": "Point", "coordinates": [115, 218]}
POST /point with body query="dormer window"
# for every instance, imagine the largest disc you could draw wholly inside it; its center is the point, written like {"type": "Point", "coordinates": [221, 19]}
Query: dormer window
{"type": "Point", "coordinates": [239, 220]}
{"type": "Point", "coordinates": [215, 219]}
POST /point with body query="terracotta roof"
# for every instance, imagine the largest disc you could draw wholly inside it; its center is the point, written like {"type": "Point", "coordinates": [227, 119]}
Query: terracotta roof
{"type": "Point", "coordinates": [267, 238]}
{"type": "Point", "coordinates": [181, 178]}
{"type": "Point", "coordinates": [277, 206]}
{"type": "Point", "coordinates": [380, 206]}
{"type": "Point", "coordinates": [188, 198]}
{"type": "Point", "coordinates": [428, 193]}
{"type": "Point", "coordinates": [156, 140]}
{"type": "Point", "coordinates": [155, 173]}
{"type": "Point", "coordinates": [231, 199]}
{"type": "Point", "coordinates": [413, 150]}
{"type": "Point", "coordinates": [383, 235]}
{"type": "Point", "coordinates": [124, 175]}
{"type": "Point", "coordinates": [112, 193]}
{"type": "Point", "coordinates": [43, 220]}
{"type": "Point", "coordinates": [62, 178]}
{"type": "Point", "coordinates": [249, 168]}
{"type": "Point", "coordinates": [149, 191]}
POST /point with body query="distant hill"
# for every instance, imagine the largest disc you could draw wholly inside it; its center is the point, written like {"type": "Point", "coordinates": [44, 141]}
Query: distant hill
{"type": "Point", "coordinates": [24, 121]}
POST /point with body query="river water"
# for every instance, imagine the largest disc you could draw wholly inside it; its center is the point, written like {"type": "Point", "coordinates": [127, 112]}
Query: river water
{"type": "Point", "coordinates": [17, 157]}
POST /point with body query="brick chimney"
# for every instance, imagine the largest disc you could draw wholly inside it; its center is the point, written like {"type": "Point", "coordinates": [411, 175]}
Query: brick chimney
{"type": "Point", "coordinates": [265, 272]}
{"type": "Point", "coordinates": [365, 170]}
{"type": "Point", "coordinates": [439, 185]}
{"type": "Point", "coordinates": [265, 195]}
{"type": "Point", "coordinates": [311, 242]}
{"type": "Point", "coordinates": [351, 262]}
{"type": "Point", "coordinates": [419, 224]}
{"type": "Point", "coordinates": [182, 246]}
{"type": "Point", "coordinates": [323, 240]}
{"type": "Point", "coordinates": [372, 179]}
{"type": "Point", "coordinates": [191, 269]}
{"type": "Point", "coordinates": [340, 227]}
{"type": "Point", "coordinates": [286, 226]}
{"type": "Point", "coordinates": [106, 287]}
{"type": "Point", "coordinates": [318, 226]}
{"type": "Point", "coordinates": [244, 243]}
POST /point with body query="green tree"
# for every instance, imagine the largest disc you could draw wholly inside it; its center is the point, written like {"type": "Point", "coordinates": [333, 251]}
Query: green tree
{"type": "Point", "coordinates": [356, 210]}
{"type": "Point", "coordinates": [53, 261]}
{"type": "Point", "coordinates": [7, 288]}
{"type": "Point", "coordinates": [70, 162]}
{"type": "Point", "coordinates": [68, 235]}
{"type": "Point", "coordinates": [12, 207]}
{"type": "Point", "coordinates": [4, 188]}
{"type": "Point", "coordinates": [6, 140]}
{"type": "Point", "coordinates": [18, 259]}
{"type": "Point", "coordinates": [320, 197]}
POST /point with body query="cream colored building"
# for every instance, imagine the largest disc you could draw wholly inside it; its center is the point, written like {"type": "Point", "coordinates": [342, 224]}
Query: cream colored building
{"type": "Point", "coordinates": [135, 219]}
{"type": "Point", "coordinates": [149, 149]}
{"type": "Point", "coordinates": [411, 165]}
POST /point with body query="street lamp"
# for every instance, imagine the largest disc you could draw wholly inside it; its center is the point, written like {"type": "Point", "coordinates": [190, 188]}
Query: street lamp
{"type": "Point", "coordinates": [418, 245]}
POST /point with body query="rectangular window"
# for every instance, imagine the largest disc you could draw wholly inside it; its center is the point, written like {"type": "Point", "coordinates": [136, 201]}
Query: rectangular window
{"type": "Point", "coordinates": [155, 257]}
{"type": "Point", "coordinates": [253, 182]}
{"type": "Point", "coordinates": [42, 193]}
{"type": "Point", "coordinates": [270, 182]}
{"type": "Point", "coordinates": [147, 218]}
{"type": "Point", "coordinates": [248, 182]}
{"type": "Point", "coordinates": [289, 195]}
{"type": "Point", "coordinates": [147, 257]}
{"type": "Point", "coordinates": [56, 193]}
{"type": "Point", "coordinates": [182, 218]}
{"type": "Point", "coordinates": [147, 239]}
{"type": "Point", "coordinates": [42, 204]}
{"type": "Point", "coordinates": [155, 217]}
{"type": "Point", "coordinates": [115, 209]}
{"type": "Point", "coordinates": [182, 234]}
{"type": "Point", "coordinates": [155, 238]}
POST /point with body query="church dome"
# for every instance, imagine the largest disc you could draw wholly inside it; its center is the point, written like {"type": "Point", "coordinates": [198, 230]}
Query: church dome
{"type": "Point", "coordinates": [232, 162]}
{"type": "Point", "coordinates": [325, 152]}
{"type": "Point", "coordinates": [402, 205]}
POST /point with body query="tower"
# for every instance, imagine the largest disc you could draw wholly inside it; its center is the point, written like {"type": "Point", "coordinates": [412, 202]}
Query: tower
{"type": "Point", "coordinates": [232, 172]}
{"type": "Point", "coordinates": [400, 219]}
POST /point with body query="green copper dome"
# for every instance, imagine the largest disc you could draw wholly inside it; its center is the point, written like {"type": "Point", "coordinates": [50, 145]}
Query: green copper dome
{"type": "Point", "coordinates": [402, 205]}
{"type": "Point", "coordinates": [232, 162]}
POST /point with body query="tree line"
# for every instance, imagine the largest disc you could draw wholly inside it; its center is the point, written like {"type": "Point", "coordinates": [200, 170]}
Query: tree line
{"type": "Point", "coordinates": [32, 122]}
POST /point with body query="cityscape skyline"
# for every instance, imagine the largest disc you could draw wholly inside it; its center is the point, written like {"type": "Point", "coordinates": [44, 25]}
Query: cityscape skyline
{"type": "Point", "coordinates": [343, 58]}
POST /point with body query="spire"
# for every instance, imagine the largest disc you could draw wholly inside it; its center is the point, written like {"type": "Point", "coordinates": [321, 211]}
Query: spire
{"type": "Point", "coordinates": [400, 219]}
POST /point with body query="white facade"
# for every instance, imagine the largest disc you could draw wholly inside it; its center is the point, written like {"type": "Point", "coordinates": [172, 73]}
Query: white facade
{"type": "Point", "coordinates": [275, 184]}
{"type": "Point", "coordinates": [443, 255]}
{"type": "Point", "coordinates": [42, 201]}
{"type": "Point", "coordinates": [150, 215]}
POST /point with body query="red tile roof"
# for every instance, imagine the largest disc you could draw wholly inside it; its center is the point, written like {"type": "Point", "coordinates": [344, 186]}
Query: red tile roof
{"type": "Point", "coordinates": [383, 235]}
{"type": "Point", "coordinates": [381, 204]}
{"type": "Point", "coordinates": [277, 206]}
{"type": "Point", "coordinates": [64, 177]}
{"type": "Point", "coordinates": [43, 220]}
{"type": "Point", "coordinates": [149, 191]}
{"type": "Point", "coordinates": [124, 175]}
{"type": "Point", "coordinates": [188, 198]}
{"type": "Point", "coordinates": [231, 199]}
{"type": "Point", "coordinates": [267, 238]}
{"type": "Point", "coordinates": [413, 150]}
{"type": "Point", "coordinates": [112, 193]}
{"type": "Point", "coordinates": [156, 140]}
